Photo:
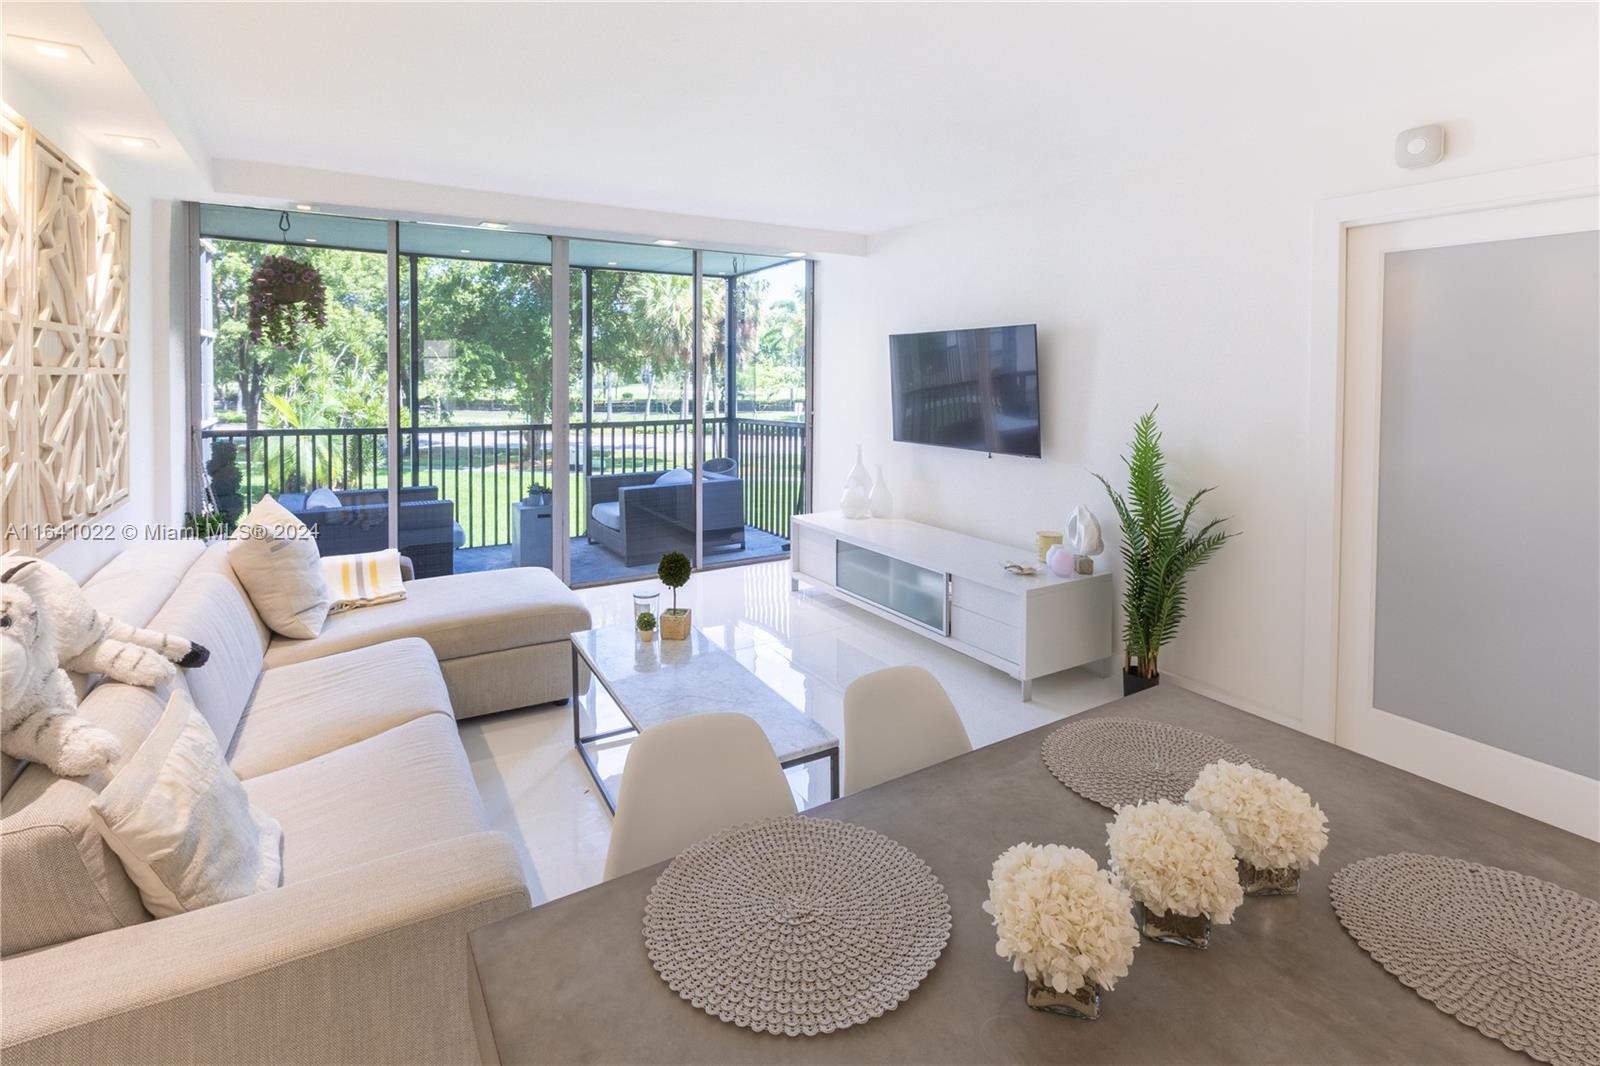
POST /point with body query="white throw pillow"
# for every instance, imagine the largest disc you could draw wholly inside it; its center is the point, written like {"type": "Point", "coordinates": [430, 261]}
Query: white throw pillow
{"type": "Point", "coordinates": [276, 559]}
{"type": "Point", "coordinates": [181, 823]}
{"type": "Point", "coordinates": [678, 476]}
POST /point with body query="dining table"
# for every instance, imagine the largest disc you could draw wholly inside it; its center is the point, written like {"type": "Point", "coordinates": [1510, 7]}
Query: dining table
{"type": "Point", "coordinates": [569, 981]}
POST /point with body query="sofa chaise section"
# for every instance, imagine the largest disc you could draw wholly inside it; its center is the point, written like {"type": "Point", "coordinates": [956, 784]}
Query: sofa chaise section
{"type": "Point", "coordinates": [501, 637]}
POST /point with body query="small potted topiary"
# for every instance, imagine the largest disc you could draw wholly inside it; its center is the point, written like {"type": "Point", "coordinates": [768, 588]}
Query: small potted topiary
{"type": "Point", "coordinates": [646, 626]}
{"type": "Point", "coordinates": [674, 573]}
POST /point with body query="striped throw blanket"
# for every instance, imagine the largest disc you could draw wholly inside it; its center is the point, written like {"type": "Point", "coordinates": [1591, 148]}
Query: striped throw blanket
{"type": "Point", "coordinates": [363, 580]}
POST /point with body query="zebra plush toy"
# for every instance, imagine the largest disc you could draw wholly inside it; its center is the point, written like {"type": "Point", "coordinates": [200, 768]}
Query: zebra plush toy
{"type": "Point", "coordinates": [90, 642]}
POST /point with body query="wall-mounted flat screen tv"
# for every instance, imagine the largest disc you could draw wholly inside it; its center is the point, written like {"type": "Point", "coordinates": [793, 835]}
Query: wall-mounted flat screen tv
{"type": "Point", "coordinates": [968, 388]}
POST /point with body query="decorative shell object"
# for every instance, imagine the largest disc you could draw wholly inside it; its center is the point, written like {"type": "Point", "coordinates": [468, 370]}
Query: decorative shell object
{"type": "Point", "coordinates": [1083, 534]}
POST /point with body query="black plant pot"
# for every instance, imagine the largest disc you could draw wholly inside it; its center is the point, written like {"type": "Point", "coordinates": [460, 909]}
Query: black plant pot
{"type": "Point", "coordinates": [1132, 682]}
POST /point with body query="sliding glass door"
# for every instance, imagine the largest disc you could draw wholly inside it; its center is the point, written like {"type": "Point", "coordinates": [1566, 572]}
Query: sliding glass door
{"type": "Point", "coordinates": [295, 322]}
{"type": "Point", "coordinates": [531, 429]}
{"type": "Point", "coordinates": [475, 465]}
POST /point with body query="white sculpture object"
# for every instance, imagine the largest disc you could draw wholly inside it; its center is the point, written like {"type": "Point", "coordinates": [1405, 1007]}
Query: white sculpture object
{"type": "Point", "coordinates": [881, 500]}
{"type": "Point", "coordinates": [1083, 539]}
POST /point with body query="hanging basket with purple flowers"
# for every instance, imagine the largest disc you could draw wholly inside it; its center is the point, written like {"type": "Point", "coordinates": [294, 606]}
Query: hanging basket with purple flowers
{"type": "Point", "coordinates": [284, 296]}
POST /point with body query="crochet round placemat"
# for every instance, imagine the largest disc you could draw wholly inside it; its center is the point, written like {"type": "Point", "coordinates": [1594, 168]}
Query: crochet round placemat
{"type": "Point", "coordinates": [1118, 761]}
{"type": "Point", "coordinates": [1515, 957]}
{"type": "Point", "coordinates": [796, 925]}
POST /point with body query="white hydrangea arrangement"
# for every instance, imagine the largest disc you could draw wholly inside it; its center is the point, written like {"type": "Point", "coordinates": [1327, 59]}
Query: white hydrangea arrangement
{"type": "Point", "coordinates": [1176, 860]}
{"type": "Point", "coordinates": [1061, 919]}
{"type": "Point", "coordinates": [1271, 823]}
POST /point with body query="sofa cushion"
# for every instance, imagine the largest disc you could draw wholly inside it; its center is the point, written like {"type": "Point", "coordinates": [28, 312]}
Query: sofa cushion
{"type": "Point", "coordinates": [133, 585]}
{"type": "Point", "coordinates": [404, 788]}
{"type": "Point", "coordinates": [60, 879]}
{"type": "Point", "coordinates": [211, 610]}
{"type": "Point", "coordinates": [607, 514]}
{"type": "Point", "coordinates": [308, 709]}
{"type": "Point", "coordinates": [181, 823]}
{"type": "Point", "coordinates": [457, 614]}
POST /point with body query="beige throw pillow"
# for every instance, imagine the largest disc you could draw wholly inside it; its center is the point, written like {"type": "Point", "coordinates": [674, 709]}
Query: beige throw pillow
{"type": "Point", "coordinates": [181, 823]}
{"type": "Point", "coordinates": [276, 559]}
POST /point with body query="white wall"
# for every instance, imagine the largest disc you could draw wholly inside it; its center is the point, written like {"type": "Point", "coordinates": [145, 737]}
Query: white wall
{"type": "Point", "coordinates": [1185, 283]}
{"type": "Point", "coordinates": [155, 438]}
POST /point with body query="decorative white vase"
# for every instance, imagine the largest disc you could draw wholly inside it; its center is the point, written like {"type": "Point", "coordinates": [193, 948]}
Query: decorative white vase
{"type": "Point", "coordinates": [857, 499]}
{"type": "Point", "coordinates": [859, 476]}
{"type": "Point", "coordinates": [881, 500]}
{"type": "Point", "coordinates": [855, 503]}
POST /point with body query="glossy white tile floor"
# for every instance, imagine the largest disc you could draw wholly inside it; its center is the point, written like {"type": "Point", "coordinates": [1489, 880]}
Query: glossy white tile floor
{"type": "Point", "coordinates": [807, 646]}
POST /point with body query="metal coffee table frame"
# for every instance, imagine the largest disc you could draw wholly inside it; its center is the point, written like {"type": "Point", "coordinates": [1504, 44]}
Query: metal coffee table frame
{"type": "Point", "coordinates": [579, 740]}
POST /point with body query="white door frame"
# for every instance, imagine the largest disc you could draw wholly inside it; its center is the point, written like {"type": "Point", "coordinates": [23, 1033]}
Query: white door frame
{"type": "Point", "coordinates": [1326, 372]}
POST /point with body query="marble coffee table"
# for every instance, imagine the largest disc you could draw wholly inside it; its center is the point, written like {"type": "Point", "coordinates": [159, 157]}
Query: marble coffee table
{"type": "Point", "coordinates": [657, 681]}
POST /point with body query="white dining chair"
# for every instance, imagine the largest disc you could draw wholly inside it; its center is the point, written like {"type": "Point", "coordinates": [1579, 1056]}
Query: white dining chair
{"type": "Point", "coordinates": [686, 779]}
{"type": "Point", "coordinates": [896, 721]}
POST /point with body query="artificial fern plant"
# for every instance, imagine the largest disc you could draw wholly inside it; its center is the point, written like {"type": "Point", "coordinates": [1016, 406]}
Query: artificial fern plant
{"type": "Point", "coordinates": [1158, 550]}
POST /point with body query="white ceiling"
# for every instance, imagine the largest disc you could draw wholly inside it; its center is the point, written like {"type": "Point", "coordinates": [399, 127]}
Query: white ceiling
{"type": "Point", "coordinates": [857, 118]}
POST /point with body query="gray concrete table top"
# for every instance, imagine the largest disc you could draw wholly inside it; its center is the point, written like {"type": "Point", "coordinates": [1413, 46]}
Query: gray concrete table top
{"type": "Point", "coordinates": [569, 981]}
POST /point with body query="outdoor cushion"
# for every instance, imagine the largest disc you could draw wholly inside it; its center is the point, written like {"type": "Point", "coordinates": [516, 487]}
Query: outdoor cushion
{"type": "Point", "coordinates": [322, 498]}
{"type": "Point", "coordinates": [458, 615]}
{"type": "Point", "coordinates": [607, 514]}
{"type": "Point", "coordinates": [679, 476]}
{"type": "Point", "coordinates": [308, 709]}
{"type": "Point", "coordinates": [405, 788]}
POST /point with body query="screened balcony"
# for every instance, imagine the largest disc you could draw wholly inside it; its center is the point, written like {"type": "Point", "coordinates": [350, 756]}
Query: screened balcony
{"type": "Point", "coordinates": [476, 473]}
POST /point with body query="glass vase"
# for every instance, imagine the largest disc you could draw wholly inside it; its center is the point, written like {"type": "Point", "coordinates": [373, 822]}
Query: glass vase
{"type": "Point", "coordinates": [1189, 931]}
{"type": "Point", "coordinates": [1281, 881]}
{"type": "Point", "coordinates": [646, 601]}
{"type": "Point", "coordinates": [1084, 1003]}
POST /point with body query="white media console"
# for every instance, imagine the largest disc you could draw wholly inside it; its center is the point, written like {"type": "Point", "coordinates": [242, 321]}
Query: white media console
{"type": "Point", "coordinates": [954, 589]}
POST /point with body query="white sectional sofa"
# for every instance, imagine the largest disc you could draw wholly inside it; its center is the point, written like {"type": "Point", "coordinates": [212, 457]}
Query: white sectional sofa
{"type": "Point", "coordinates": [349, 741]}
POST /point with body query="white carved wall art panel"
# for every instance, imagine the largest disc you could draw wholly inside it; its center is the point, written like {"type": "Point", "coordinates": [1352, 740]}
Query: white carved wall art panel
{"type": "Point", "coordinates": [64, 276]}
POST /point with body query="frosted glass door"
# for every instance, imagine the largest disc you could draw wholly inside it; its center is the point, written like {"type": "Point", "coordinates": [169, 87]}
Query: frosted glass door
{"type": "Point", "coordinates": [1470, 573]}
{"type": "Point", "coordinates": [913, 592]}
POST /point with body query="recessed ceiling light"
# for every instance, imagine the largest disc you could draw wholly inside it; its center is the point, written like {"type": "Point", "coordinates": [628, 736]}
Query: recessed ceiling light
{"type": "Point", "coordinates": [466, 251]}
{"type": "Point", "coordinates": [61, 51]}
{"type": "Point", "coordinates": [302, 207]}
{"type": "Point", "coordinates": [491, 225]}
{"type": "Point", "coordinates": [794, 255]}
{"type": "Point", "coordinates": [666, 243]}
{"type": "Point", "coordinates": [611, 263]}
{"type": "Point", "coordinates": [311, 240]}
{"type": "Point", "coordinates": [128, 140]}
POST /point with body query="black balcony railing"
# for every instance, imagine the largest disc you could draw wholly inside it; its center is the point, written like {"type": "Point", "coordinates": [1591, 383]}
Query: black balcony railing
{"type": "Point", "coordinates": [485, 468]}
